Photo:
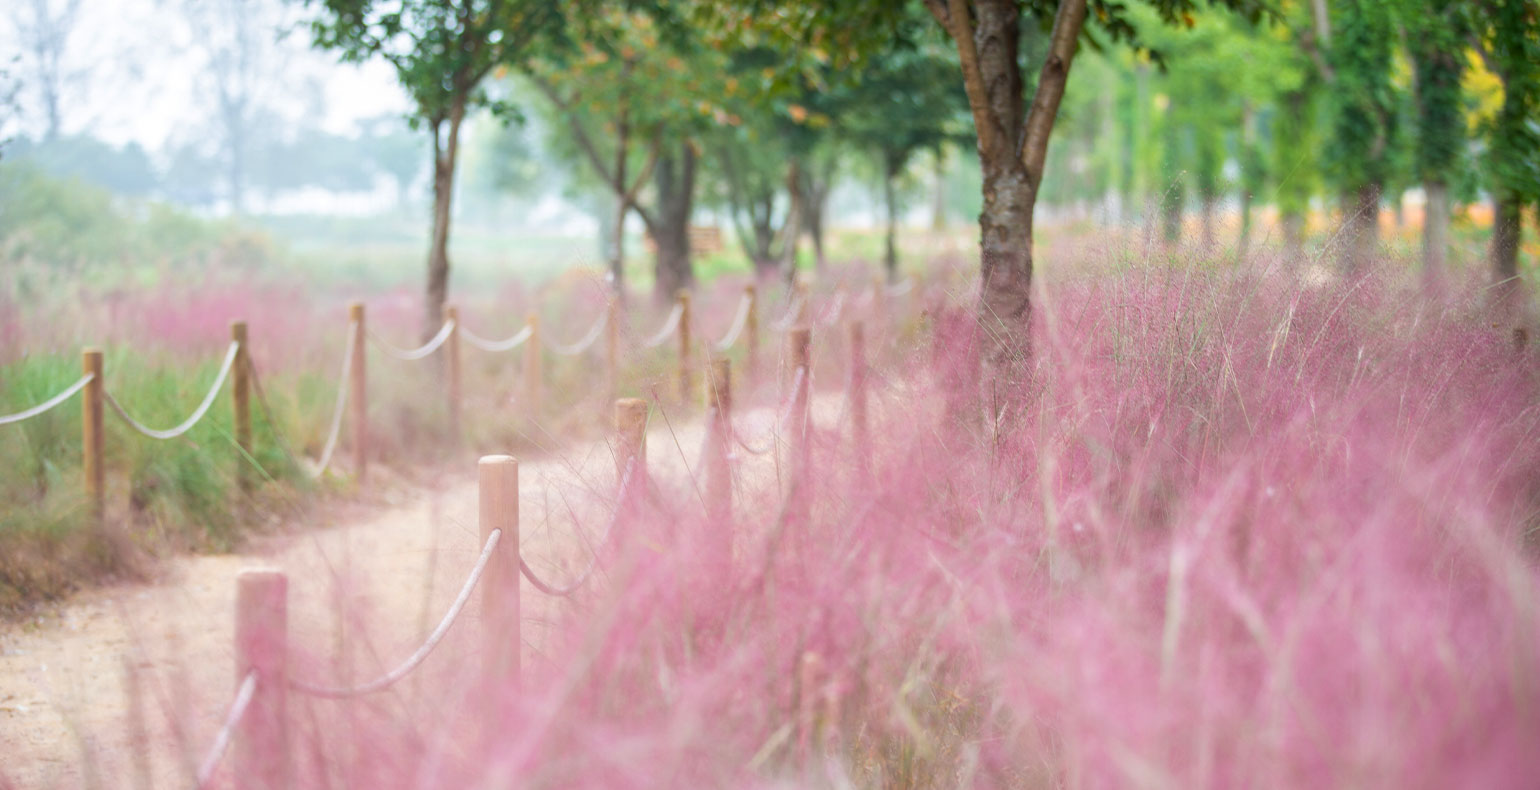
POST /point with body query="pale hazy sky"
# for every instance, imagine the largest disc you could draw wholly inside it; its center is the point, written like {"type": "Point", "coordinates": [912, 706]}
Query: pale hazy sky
{"type": "Point", "coordinates": [138, 71]}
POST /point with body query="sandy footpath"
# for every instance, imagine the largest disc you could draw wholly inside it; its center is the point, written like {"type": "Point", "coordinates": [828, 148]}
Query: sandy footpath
{"type": "Point", "coordinates": [364, 588]}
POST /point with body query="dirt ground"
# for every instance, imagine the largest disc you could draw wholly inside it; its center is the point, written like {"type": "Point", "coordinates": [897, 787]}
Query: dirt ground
{"type": "Point", "coordinates": [365, 587]}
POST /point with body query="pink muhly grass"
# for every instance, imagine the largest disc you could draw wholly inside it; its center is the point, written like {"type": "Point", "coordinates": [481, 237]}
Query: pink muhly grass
{"type": "Point", "coordinates": [1244, 533]}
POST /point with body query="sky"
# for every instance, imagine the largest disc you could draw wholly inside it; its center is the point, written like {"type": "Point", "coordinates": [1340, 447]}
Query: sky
{"type": "Point", "coordinates": [138, 70]}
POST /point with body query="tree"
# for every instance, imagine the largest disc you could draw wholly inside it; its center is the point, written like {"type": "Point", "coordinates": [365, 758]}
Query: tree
{"type": "Point", "coordinates": [441, 51]}
{"type": "Point", "coordinates": [1012, 134]}
{"type": "Point", "coordinates": [634, 96]}
{"type": "Point", "coordinates": [1359, 36]}
{"type": "Point", "coordinates": [1435, 36]}
{"type": "Point", "coordinates": [1507, 36]}
{"type": "Point", "coordinates": [44, 28]}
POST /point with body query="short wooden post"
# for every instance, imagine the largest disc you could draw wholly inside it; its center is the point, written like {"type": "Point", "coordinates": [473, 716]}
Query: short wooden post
{"type": "Point", "coordinates": [261, 758]}
{"type": "Point", "coordinates": [799, 356]}
{"type": "Point", "coordinates": [860, 431]}
{"type": "Point", "coordinates": [719, 484]}
{"type": "Point", "coordinates": [533, 383]}
{"type": "Point", "coordinates": [801, 302]}
{"type": "Point", "coordinates": [359, 395]}
{"type": "Point", "coordinates": [630, 436]}
{"type": "Point", "coordinates": [612, 350]}
{"type": "Point", "coordinates": [240, 391]}
{"type": "Point", "coordinates": [498, 499]}
{"type": "Point", "coordinates": [686, 385]}
{"type": "Point", "coordinates": [91, 432]}
{"type": "Point", "coordinates": [751, 329]}
{"type": "Point", "coordinates": [452, 358]}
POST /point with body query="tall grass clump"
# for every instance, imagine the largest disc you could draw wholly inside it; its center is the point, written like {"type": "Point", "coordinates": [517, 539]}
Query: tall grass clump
{"type": "Point", "coordinates": [181, 494]}
{"type": "Point", "coordinates": [1244, 532]}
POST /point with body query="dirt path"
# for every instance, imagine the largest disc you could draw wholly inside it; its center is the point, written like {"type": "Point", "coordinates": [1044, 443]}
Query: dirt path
{"type": "Point", "coordinates": [364, 589]}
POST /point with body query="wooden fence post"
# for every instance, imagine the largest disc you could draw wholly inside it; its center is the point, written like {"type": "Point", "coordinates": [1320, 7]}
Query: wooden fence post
{"type": "Point", "coordinates": [612, 350]}
{"type": "Point", "coordinates": [240, 391]}
{"type": "Point", "coordinates": [533, 384]}
{"type": "Point", "coordinates": [860, 431]}
{"type": "Point", "coordinates": [261, 759]}
{"type": "Point", "coordinates": [498, 495]}
{"type": "Point", "coordinates": [630, 438]}
{"type": "Point", "coordinates": [685, 384]}
{"type": "Point", "coordinates": [799, 353]}
{"type": "Point", "coordinates": [91, 432]}
{"type": "Point", "coordinates": [719, 483]}
{"type": "Point", "coordinates": [359, 395]}
{"type": "Point", "coordinates": [452, 354]}
{"type": "Point", "coordinates": [751, 328]}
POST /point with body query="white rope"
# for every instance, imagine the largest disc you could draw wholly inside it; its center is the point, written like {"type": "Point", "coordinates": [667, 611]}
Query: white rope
{"type": "Point", "coordinates": [344, 385]}
{"type": "Point", "coordinates": [582, 344]}
{"type": "Point", "coordinates": [390, 678]}
{"type": "Point", "coordinates": [790, 319]}
{"type": "Point", "coordinates": [49, 404]}
{"type": "Point", "coordinates": [739, 322]}
{"type": "Point", "coordinates": [781, 419]}
{"type": "Point", "coordinates": [669, 325]}
{"type": "Point", "coordinates": [243, 695]}
{"type": "Point", "coordinates": [901, 289]}
{"type": "Point", "coordinates": [572, 587]}
{"type": "Point", "coordinates": [796, 389]}
{"type": "Point", "coordinates": [187, 424]}
{"type": "Point", "coordinates": [832, 317]}
{"type": "Point", "coordinates": [415, 354]}
{"type": "Point", "coordinates": [496, 346]}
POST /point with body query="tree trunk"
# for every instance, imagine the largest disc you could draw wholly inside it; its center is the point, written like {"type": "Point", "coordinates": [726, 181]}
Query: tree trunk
{"type": "Point", "coordinates": [1294, 237]}
{"type": "Point", "coordinates": [1207, 207]}
{"type": "Point", "coordinates": [1507, 214]}
{"type": "Point", "coordinates": [813, 217]}
{"type": "Point", "coordinates": [444, 153]}
{"type": "Point", "coordinates": [1005, 306]}
{"type": "Point", "coordinates": [890, 200]}
{"type": "Point", "coordinates": [616, 246]}
{"type": "Point", "coordinates": [1435, 228]}
{"type": "Point", "coordinates": [789, 231]}
{"type": "Point", "coordinates": [938, 192]}
{"type": "Point", "coordinates": [669, 226]}
{"type": "Point", "coordinates": [1171, 213]}
{"type": "Point", "coordinates": [1362, 227]}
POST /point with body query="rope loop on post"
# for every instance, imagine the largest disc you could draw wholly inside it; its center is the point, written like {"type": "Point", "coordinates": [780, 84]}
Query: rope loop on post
{"type": "Point", "coordinates": [243, 695]}
{"type": "Point", "coordinates": [496, 346]}
{"type": "Point", "coordinates": [583, 343]}
{"type": "Point", "coordinates": [333, 433]}
{"type": "Point", "coordinates": [670, 324]}
{"type": "Point", "coordinates": [416, 658]}
{"type": "Point", "coordinates": [51, 403]}
{"type": "Point", "coordinates": [789, 320]}
{"type": "Point", "coordinates": [609, 531]}
{"type": "Point", "coordinates": [412, 355]}
{"type": "Point", "coordinates": [187, 424]}
{"type": "Point", "coordinates": [739, 322]}
{"type": "Point", "coordinates": [390, 678]}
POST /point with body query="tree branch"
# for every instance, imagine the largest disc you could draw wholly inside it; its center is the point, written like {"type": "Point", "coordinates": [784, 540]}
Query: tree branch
{"type": "Point", "coordinates": [939, 11]}
{"type": "Point", "coordinates": [960, 27]}
{"type": "Point", "coordinates": [1062, 42]}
